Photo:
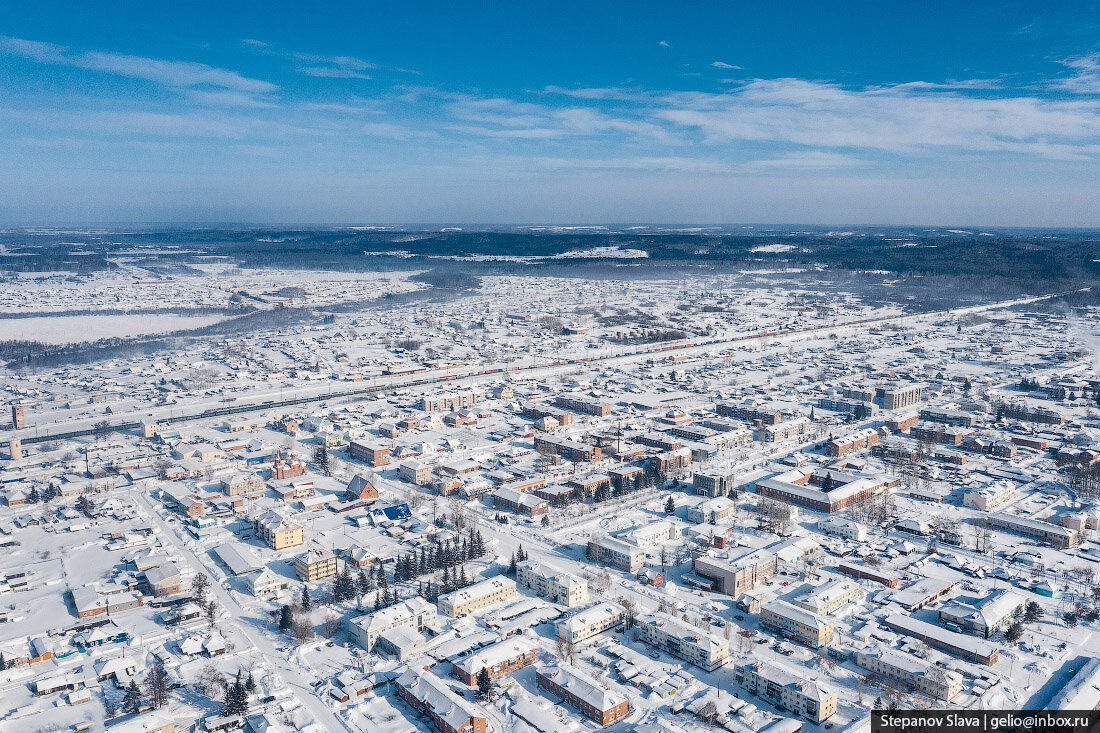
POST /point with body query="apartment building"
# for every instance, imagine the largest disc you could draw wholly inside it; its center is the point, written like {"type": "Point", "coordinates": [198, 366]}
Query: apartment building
{"type": "Point", "coordinates": [475, 597]}
{"type": "Point", "coordinates": [652, 535]}
{"type": "Point", "coordinates": [766, 414]}
{"type": "Point", "coordinates": [416, 472]}
{"type": "Point", "coordinates": [278, 532]}
{"type": "Point", "coordinates": [701, 648]}
{"type": "Point", "coordinates": [713, 484]}
{"type": "Point", "coordinates": [242, 484]}
{"type": "Point", "coordinates": [518, 502]}
{"type": "Point", "coordinates": [570, 450]}
{"type": "Point", "coordinates": [431, 697]}
{"type": "Point", "coordinates": [452, 401]}
{"type": "Point", "coordinates": [796, 623]}
{"type": "Point", "coordinates": [787, 689]}
{"type": "Point", "coordinates": [316, 564]}
{"type": "Point", "coordinates": [370, 452]}
{"type": "Point", "coordinates": [930, 432]}
{"type": "Point", "coordinates": [552, 583]}
{"type": "Point", "coordinates": [988, 498]}
{"type": "Point", "coordinates": [786, 430]}
{"type": "Point", "coordinates": [715, 511]}
{"type": "Point", "coordinates": [584, 405]}
{"type": "Point", "coordinates": [590, 622]}
{"type": "Point", "coordinates": [415, 614]}
{"type": "Point", "coordinates": [958, 418]}
{"type": "Point", "coordinates": [593, 699]}
{"type": "Point", "coordinates": [499, 659]}
{"type": "Point", "coordinates": [852, 442]}
{"type": "Point", "coordinates": [827, 599]}
{"type": "Point", "coordinates": [897, 396]}
{"type": "Point", "coordinates": [618, 553]}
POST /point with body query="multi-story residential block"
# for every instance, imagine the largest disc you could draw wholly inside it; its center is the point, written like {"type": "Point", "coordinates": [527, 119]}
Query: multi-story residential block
{"type": "Point", "coordinates": [590, 622]}
{"type": "Point", "coordinates": [897, 396]}
{"type": "Point", "coordinates": [585, 405]}
{"type": "Point", "coordinates": [988, 498]}
{"type": "Point", "coordinates": [452, 401]}
{"type": "Point", "coordinates": [619, 554]}
{"type": "Point", "coordinates": [787, 689]}
{"type": "Point", "coordinates": [796, 623]}
{"type": "Point", "coordinates": [416, 472]}
{"type": "Point", "coordinates": [715, 511]}
{"type": "Point", "coordinates": [652, 535]}
{"type": "Point", "coordinates": [519, 502]}
{"type": "Point", "coordinates": [959, 418]}
{"type": "Point", "coordinates": [713, 484]}
{"type": "Point", "coordinates": [858, 440]}
{"type": "Point", "coordinates": [594, 700]}
{"type": "Point", "coordinates": [786, 430]}
{"type": "Point", "coordinates": [750, 411]}
{"type": "Point", "coordinates": [911, 670]}
{"type": "Point", "coordinates": [415, 614]}
{"type": "Point", "coordinates": [278, 532]}
{"type": "Point", "coordinates": [241, 484]}
{"type": "Point", "coordinates": [431, 697]}
{"type": "Point", "coordinates": [475, 597]}
{"type": "Point", "coordinates": [370, 452]}
{"type": "Point", "coordinates": [701, 648]}
{"type": "Point", "coordinates": [552, 583]}
{"type": "Point", "coordinates": [499, 659]}
{"type": "Point", "coordinates": [316, 564]}
{"type": "Point", "coordinates": [571, 450]}
{"type": "Point", "coordinates": [827, 599]}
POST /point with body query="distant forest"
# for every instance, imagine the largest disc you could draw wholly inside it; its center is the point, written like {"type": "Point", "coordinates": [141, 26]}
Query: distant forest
{"type": "Point", "coordinates": [1037, 260]}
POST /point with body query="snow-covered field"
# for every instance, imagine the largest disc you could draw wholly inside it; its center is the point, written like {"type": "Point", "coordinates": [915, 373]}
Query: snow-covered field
{"type": "Point", "coordinates": [77, 329]}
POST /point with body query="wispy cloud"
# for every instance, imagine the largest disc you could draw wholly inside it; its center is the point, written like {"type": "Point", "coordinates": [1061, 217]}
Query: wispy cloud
{"type": "Point", "coordinates": [1085, 78]}
{"type": "Point", "coordinates": [175, 74]}
{"type": "Point", "coordinates": [724, 65]}
{"type": "Point", "coordinates": [335, 67]}
{"type": "Point", "coordinates": [665, 44]}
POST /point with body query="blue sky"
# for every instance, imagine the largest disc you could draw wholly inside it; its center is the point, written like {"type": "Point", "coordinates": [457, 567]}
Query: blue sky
{"type": "Point", "coordinates": [814, 113]}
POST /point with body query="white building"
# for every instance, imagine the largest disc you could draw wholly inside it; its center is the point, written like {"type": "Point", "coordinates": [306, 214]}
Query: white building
{"type": "Point", "coordinates": [591, 621]}
{"type": "Point", "coordinates": [849, 529]}
{"type": "Point", "coordinates": [912, 670]}
{"type": "Point", "coordinates": [787, 689]}
{"type": "Point", "coordinates": [475, 597]}
{"type": "Point", "coordinates": [552, 583]}
{"type": "Point", "coordinates": [688, 642]}
{"type": "Point", "coordinates": [716, 511]}
{"type": "Point", "coordinates": [415, 613]}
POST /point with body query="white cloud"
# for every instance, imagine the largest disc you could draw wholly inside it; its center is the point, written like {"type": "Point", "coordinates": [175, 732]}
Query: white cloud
{"type": "Point", "coordinates": [177, 74]}
{"type": "Point", "coordinates": [666, 44]}
{"type": "Point", "coordinates": [724, 65]}
{"type": "Point", "coordinates": [335, 67]}
{"type": "Point", "coordinates": [1086, 75]}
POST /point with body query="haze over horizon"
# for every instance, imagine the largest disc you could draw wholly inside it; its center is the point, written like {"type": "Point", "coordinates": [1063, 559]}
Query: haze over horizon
{"type": "Point", "coordinates": [976, 116]}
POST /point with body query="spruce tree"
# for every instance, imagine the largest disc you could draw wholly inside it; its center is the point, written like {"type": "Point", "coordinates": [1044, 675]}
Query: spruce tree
{"type": "Point", "coordinates": [286, 620]}
{"type": "Point", "coordinates": [307, 604]}
{"type": "Point", "coordinates": [131, 701]}
{"type": "Point", "coordinates": [362, 583]}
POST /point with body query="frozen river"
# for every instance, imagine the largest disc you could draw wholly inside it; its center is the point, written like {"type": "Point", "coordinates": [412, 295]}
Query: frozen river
{"type": "Point", "coordinates": [74, 329]}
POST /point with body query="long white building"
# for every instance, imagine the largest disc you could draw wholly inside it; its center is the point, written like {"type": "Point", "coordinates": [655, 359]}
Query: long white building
{"type": "Point", "coordinates": [415, 613]}
{"type": "Point", "coordinates": [552, 583]}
